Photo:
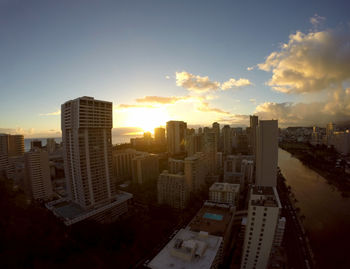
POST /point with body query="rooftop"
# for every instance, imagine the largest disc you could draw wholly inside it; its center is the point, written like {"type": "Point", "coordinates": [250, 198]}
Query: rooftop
{"type": "Point", "coordinates": [264, 196]}
{"type": "Point", "coordinates": [188, 249]}
{"type": "Point", "coordinates": [214, 218]}
{"type": "Point", "coordinates": [223, 186]}
{"type": "Point", "coordinates": [262, 190]}
{"type": "Point", "coordinates": [71, 212]}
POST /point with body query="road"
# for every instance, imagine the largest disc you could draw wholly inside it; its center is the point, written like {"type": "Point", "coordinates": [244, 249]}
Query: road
{"type": "Point", "coordinates": [298, 251]}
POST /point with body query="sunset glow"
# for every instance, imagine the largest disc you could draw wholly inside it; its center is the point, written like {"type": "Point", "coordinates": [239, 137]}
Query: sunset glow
{"type": "Point", "coordinates": [145, 118]}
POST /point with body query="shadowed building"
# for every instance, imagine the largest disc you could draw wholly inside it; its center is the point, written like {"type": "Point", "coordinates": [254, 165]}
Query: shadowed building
{"type": "Point", "coordinates": [176, 134]}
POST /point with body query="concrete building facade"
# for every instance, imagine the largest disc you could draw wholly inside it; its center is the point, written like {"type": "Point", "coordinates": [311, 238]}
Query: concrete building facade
{"type": "Point", "coordinates": [267, 153]}
{"type": "Point", "coordinates": [221, 192]}
{"type": "Point", "coordinates": [37, 175]}
{"type": "Point", "coordinates": [263, 215]}
{"type": "Point", "coordinates": [196, 170]}
{"type": "Point", "coordinates": [87, 150]}
{"type": "Point", "coordinates": [176, 134]}
{"type": "Point", "coordinates": [145, 168]}
{"type": "Point", "coordinates": [159, 135]}
{"type": "Point", "coordinates": [172, 190]}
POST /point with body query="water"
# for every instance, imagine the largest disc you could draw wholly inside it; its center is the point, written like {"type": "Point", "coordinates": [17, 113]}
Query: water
{"type": "Point", "coordinates": [116, 139]}
{"type": "Point", "coordinates": [212, 216]}
{"type": "Point", "coordinates": [327, 212]}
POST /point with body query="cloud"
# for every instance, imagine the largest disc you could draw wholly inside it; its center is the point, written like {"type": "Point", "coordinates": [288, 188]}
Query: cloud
{"type": "Point", "coordinates": [204, 84]}
{"type": "Point", "coordinates": [235, 119]}
{"type": "Point", "coordinates": [31, 132]}
{"type": "Point", "coordinates": [317, 62]}
{"type": "Point", "coordinates": [316, 20]}
{"type": "Point", "coordinates": [250, 68]}
{"type": "Point", "coordinates": [126, 106]}
{"type": "Point", "coordinates": [161, 99]}
{"type": "Point", "coordinates": [55, 113]}
{"type": "Point", "coordinates": [252, 100]}
{"type": "Point", "coordinates": [336, 109]}
{"type": "Point", "coordinates": [205, 107]}
{"type": "Point", "coordinates": [310, 62]}
{"type": "Point", "coordinates": [233, 83]}
{"type": "Point", "coordinates": [167, 77]}
{"type": "Point", "coordinates": [195, 83]}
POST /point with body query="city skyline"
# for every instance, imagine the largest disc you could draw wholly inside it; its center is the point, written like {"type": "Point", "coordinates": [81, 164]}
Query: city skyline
{"type": "Point", "coordinates": [161, 63]}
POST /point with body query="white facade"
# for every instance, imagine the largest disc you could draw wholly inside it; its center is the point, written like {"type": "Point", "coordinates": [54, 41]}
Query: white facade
{"type": "Point", "coordinates": [87, 146]}
{"type": "Point", "coordinates": [267, 153]}
{"type": "Point", "coordinates": [189, 250]}
{"type": "Point", "coordinates": [263, 215]}
{"type": "Point", "coordinates": [221, 192]}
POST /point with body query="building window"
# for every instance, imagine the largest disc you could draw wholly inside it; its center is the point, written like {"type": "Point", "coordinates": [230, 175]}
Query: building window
{"type": "Point", "coordinates": [264, 214]}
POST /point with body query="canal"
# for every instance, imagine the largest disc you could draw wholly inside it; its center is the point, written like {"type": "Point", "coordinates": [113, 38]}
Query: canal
{"type": "Point", "coordinates": [327, 213]}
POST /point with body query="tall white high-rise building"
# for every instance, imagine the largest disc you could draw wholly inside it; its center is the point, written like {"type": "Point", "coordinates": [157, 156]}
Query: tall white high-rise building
{"type": "Point", "coordinates": [176, 134]}
{"type": "Point", "coordinates": [37, 174]}
{"type": "Point", "coordinates": [267, 153]}
{"type": "Point", "coordinates": [263, 216]}
{"type": "Point", "coordinates": [87, 145]}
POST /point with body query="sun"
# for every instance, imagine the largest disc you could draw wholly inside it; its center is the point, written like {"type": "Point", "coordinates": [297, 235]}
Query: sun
{"type": "Point", "coordinates": [146, 118]}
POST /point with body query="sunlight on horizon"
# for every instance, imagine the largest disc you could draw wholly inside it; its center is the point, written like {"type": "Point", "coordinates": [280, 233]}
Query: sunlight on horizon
{"type": "Point", "coordinates": [145, 118]}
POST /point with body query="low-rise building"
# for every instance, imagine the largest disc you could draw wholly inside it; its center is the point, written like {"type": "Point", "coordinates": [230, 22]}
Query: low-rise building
{"type": "Point", "coordinates": [70, 212]}
{"type": "Point", "coordinates": [189, 250]}
{"type": "Point", "coordinates": [221, 192]}
{"type": "Point", "coordinates": [215, 219]}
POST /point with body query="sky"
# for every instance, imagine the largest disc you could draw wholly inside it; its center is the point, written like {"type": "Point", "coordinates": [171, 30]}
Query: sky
{"type": "Point", "coordinates": [197, 61]}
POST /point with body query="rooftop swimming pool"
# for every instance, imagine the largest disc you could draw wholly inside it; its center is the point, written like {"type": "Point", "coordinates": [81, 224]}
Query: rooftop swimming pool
{"type": "Point", "coordinates": [212, 216]}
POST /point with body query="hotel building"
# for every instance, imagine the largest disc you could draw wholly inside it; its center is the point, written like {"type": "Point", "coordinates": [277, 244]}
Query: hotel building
{"type": "Point", "coordinates": [263, 216]}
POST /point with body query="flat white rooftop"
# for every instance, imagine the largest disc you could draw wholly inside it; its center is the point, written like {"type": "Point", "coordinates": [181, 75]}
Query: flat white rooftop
{"type": "Point", "coordinates": [186, 250]}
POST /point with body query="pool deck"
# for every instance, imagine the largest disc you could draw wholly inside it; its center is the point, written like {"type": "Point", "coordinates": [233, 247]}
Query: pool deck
{"type": "Point", "coordinates": [207, 219]}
